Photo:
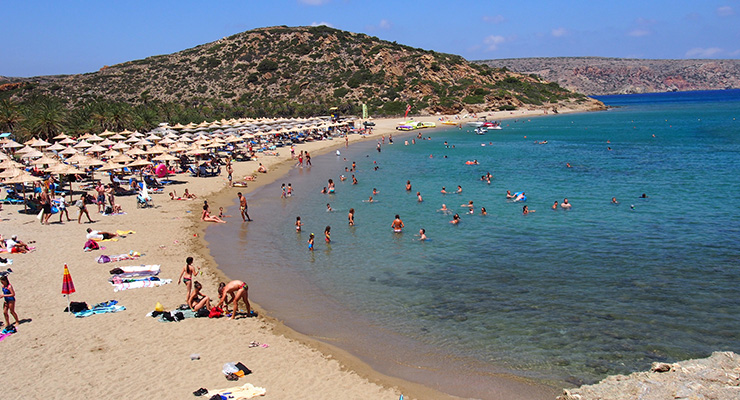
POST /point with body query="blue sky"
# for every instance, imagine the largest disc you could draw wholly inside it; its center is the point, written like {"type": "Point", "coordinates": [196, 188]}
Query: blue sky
{"type": "Point", "coordinates": [74, 36]}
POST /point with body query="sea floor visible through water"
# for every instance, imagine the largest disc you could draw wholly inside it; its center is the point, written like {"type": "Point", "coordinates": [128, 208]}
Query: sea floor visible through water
{"type": "Point", "coordinates": [558, 296]}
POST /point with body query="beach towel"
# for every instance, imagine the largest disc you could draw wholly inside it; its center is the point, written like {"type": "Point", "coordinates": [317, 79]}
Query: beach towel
{"type": "Point", "coordinates": [154, 268]}
{"type": "Point", "coordinates": [101, 308]}
{"type": "Point", "coordinates": [246, 391]}
{"type": "Point", "coordinates": [4, 335]}
{"type": "Point", "coordinates": [120, 277]}
{"type": "Point", "coordinates": [124, 233]}
{"type": "Point", "coordinates": [132, 255]}
{"type": "Point", "coordinates": [117, 278]}
{"type": "Point", "coordinates": [139, 284]}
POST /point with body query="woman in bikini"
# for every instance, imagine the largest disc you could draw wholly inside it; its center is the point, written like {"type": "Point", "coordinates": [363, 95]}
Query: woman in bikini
{"type": "Point", "coordinates": [197, 300]}
{"type": "Point", "coordinates": [9, 297]}
{"type": "Point", "coordinates": [187, 274]}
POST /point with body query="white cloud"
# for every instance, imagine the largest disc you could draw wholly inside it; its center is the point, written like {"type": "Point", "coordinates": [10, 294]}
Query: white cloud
{"type": "Point", "coordinates": [699, 52]}
{"type": "Point", "coordinates": [322, 23]}
{"type": "Point", "coordinates": [559, 32]}
{"type": "Point", "coordinates": [314, 2]}
{"type": "Point", "coordinates": [734, 53]}
{"type": "Point", "coordinates": [385, 24]}
{"type": "Point", "coordinates": [493, 19]}
{"type": "Point", "coordinates": [492, 42]}
{"type": "Point", "coordinates": [639, 32]}
{"type": "Point", "coordinates": [725, 11]}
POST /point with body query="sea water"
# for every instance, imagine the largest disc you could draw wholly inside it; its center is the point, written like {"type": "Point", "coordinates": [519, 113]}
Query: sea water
{"type": "Point", "coordinates": [558, 295]}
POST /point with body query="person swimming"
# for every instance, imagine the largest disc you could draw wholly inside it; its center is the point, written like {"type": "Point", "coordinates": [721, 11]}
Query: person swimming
{"type": "Point", "coordinates": [422, 235]}
{"type": "Point", "coordinates": [328, 208]}
{"type": "Point", "coordinates": [418, 197]}
{"type": "Point", "coordinates": [444, 190]}
{"type": "Point", "coordinates": [565, 204]}
{"type": "Point", "coordinates": [455, 219]}
{"type": "Point", "coordinates": [555, 205]}
{"type": "Point", "coordinates": [483, 211]}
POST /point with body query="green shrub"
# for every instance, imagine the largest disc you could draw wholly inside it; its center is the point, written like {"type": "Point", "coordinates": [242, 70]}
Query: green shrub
{"type": "Point", "coordinates": [267, 65]}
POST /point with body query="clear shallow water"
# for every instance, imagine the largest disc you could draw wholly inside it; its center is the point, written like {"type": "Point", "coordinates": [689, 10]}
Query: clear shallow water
{"type": "Point", "coordinates": [559, 295]}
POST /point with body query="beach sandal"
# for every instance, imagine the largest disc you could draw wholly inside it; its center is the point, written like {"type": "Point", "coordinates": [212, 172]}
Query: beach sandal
{"type": "Point", "coordinates": [254, 344]}
{"type": "Point", "coordinates": [200, 392]}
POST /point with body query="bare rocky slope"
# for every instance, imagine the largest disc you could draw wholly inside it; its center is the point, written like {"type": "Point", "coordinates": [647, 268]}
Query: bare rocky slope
{"type": "Point", "coordinates": [600, 76]}
{"type": "Point", "coordinates": [292, 70]}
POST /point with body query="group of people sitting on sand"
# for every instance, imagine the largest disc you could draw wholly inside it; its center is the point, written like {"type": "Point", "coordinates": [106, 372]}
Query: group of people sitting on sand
{"type": "Point", "coordinates": [230, 292]}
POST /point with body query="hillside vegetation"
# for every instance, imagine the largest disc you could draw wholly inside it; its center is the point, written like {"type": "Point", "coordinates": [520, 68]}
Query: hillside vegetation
{"type": "Point", "coordinates": [270, 72]}
{"type": "Point", "coordinates": [599, 76]}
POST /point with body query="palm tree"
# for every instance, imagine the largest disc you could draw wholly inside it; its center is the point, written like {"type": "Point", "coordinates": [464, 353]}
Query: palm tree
{"type": "Point", "coordinates": [10, 115]}
{"type": "Point", "coordinates": [47, 117]}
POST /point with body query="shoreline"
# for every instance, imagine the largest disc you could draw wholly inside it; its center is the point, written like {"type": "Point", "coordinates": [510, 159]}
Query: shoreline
{"type": "Point", "coordinates": [136, 348]}
{"type": "Point", "coordinates": [279, 170]}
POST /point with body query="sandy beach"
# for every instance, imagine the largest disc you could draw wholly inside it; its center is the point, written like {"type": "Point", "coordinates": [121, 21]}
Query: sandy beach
{"type": "Point", "coordinates": [129, 354]}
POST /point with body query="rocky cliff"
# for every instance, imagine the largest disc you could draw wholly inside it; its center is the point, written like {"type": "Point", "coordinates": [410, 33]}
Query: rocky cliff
{"type": "Point", "coordinates": [600, 76]}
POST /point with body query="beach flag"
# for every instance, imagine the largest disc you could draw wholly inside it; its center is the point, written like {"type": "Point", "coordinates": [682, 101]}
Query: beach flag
{"type": "Point", "coordinates": [408, 108]}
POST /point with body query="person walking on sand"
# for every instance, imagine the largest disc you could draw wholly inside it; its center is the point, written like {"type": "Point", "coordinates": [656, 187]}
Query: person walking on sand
{"type": "Point", "coordinates": [239, 291]}
{"type": "Point", "coordinates": [82, 207]}
{"type": "Point", "coordinates": [9, 304]}
{"type": "Point", "coordinates": [187, 274]}
{"type": "Point", "coordinates": [46, 205]}
{"type": "Point", "coordinates": [243, 207]}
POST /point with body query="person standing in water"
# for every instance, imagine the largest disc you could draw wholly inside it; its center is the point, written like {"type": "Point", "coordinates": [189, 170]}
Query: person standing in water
{"type": "Point", "coordinates": [243, 207]}
{"type": "Point", "coordinates": [351, 217]}
{"type": "Point", "coordinates": [397, 224]}
{"type": "Point", "coordinates": [298, 224]}
{"type": "Point", "coordinates": [327, 234]}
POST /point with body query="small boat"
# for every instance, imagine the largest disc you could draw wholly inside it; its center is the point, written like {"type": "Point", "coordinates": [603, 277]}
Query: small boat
{"type": "Point", "coordinates": [429, 125]}
{"type": "Point", "coordinates": [480, 130]}
{"type": "Point", "coordinates": [405, 128]}
{"type": "Point", "coordinates": [448, 122]}
{"type": "Point", "coordinates": [475, 123]}
{"type": "Point", "coordinates": [492, 125]}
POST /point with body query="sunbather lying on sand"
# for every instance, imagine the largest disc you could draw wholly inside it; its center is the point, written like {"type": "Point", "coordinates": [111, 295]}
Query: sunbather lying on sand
{"type": "Point", "coordinates": [98, 235]}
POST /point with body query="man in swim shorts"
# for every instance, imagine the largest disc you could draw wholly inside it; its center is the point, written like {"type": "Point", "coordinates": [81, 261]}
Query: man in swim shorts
{"type": "Point", "coordinates": [239, 291]}
{"type": "Point", "coordinates": [243, 207]}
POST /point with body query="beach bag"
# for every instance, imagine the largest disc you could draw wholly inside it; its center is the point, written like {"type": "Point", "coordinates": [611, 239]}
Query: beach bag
{"type": "Point", "coordinates": [108, 210]}
{"type": "Point", "coordinates": [91, 244]}
{"type": "Point", "coordinates": [116, 271]}
{"type": "Point", "coordinates": [104, 259]}
{"type": "Point", "coordinates": [76, 306]}
{"type": "Point", "coordinates": [243, 370]}
{"type": "Point", "coordinates": [202, 313]}
{"type": "Point", "coordinates": [215, 312]}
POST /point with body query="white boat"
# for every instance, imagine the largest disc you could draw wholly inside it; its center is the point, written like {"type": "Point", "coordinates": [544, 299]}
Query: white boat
{"type": "Point", "coordinates": [480, 130]}
{"type": "Point", "coordinates": [475, 123]}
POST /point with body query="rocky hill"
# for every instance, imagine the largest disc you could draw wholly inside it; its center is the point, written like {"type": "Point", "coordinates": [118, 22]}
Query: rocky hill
{"type": "Point", "coordinates": [600, 76]}
{"type": "Point", "coordinates": [282, 71]}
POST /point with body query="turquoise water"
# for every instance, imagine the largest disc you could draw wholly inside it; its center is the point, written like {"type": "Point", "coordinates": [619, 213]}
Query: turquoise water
{"type": "Point", "coordinates": [566, 295]}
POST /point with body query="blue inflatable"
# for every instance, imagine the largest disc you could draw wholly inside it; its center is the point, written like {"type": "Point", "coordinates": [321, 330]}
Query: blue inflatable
{"type": "Point", "coordinates": [519, 196]}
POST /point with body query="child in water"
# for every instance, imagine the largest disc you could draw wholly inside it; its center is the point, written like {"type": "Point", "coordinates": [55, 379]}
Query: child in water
{"type": "Point", "coordinates": [298, 224]}
{"type": "Point", "coordinates": [327, 234]}
{"type": "Point", "coordinates": [310, 242]}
